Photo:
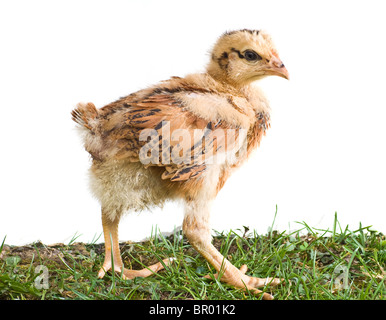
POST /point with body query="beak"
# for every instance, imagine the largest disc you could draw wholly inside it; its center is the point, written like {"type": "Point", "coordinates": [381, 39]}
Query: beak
{"type": "Point", "coordinates": [276, 68]}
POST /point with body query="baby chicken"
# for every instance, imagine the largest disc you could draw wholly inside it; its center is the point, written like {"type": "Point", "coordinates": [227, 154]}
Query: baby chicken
{"type": "Point", "coordinates": [181, 139]}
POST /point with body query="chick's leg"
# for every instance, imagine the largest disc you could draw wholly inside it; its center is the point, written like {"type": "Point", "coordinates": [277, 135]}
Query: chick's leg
{"type": "Point", "coordinates": [196, 229]}
{"type": "Point", "coordinates": [113, 256]}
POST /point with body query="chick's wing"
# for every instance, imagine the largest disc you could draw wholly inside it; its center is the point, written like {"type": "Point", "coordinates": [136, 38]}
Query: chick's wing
{"type": "Point", "coordinates": [161, 130]}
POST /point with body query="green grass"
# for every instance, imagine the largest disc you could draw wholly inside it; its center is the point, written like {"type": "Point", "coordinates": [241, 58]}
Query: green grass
{"type": "Point", "coordinates": [313, 263]}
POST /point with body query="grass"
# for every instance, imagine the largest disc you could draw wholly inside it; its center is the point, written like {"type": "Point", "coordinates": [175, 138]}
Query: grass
{"type": "Point", "coordinates": [336, 264]}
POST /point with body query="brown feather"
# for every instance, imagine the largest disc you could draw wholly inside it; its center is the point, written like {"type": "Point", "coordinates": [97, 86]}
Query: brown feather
{"type": "Point", "coordinates": [122, 122]}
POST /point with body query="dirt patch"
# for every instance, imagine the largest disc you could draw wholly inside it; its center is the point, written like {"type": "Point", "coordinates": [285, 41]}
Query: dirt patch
{"type": "Point", "coordinates": [38, 253]}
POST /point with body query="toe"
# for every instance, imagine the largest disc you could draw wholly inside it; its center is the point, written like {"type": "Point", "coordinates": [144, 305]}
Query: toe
{"type": "Point", "coordinates": [243, 268]}
{"type": "Point", "coordinates": [145, 272]}
{"type": "Point", "coordinates": [262, 282]}
{"type": "Point", "coordinates": [267, 296]}
{"type": "Point", "coordinates": [257, 292]}
{"type": "Point", "coordinates": [273, 282]}
{"type": "Point", "coordinates": [277, 281]}
{"type": "Point", "coordinates": [101, 273]}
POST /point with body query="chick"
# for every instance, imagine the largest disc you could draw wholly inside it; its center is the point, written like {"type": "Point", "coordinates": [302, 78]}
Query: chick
{"type": "Point", "coordinates": [181, 139]}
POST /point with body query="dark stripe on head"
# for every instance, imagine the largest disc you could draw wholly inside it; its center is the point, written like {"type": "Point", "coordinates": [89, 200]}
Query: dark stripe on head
{"type": "Point", "coordinates": [228, 33]}
{"type": "Point", "coordinates": [238, 52]}
{"type": "Point", "coordinates": [223, 60]}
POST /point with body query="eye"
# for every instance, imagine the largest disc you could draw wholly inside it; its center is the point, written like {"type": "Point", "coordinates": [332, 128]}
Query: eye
{"type": "Point", "coordinates": [251, 55]}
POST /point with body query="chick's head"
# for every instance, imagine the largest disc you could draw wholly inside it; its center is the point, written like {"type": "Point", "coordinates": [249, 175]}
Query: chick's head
{"type": "Point", "coordinates": [240, 57]}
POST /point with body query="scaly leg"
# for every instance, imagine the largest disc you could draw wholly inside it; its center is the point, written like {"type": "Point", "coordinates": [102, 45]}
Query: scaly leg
{"type": "Point", "coordinates": [110, 232]}
{"type": "Point", "coordinates": [196, 229]}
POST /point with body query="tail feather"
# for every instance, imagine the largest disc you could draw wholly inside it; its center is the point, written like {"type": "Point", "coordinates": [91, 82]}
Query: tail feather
{"type": "Point", "coordinates": [84, 114]}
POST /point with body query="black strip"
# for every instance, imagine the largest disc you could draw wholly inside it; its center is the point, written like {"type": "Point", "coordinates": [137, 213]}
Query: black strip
{"type": "Point", "coordinates": [238, 52]}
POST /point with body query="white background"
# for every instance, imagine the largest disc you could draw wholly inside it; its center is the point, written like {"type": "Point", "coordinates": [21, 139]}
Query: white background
{"type": "Point", "coordinates": [325, 151]}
